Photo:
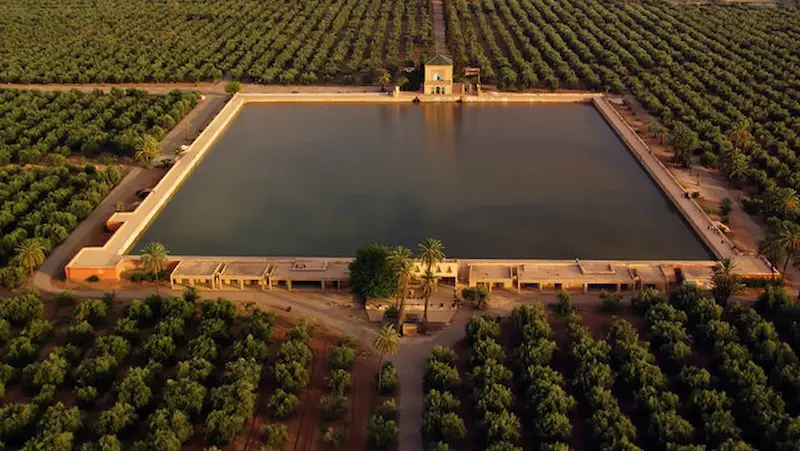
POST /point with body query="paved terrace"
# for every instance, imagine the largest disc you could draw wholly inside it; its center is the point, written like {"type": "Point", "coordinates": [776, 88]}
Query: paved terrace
{"type": "Point", "coordinates": [111, 260]}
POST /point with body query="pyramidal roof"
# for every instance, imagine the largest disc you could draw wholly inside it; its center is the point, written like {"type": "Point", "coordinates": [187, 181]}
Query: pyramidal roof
{"type": "Point", "coordinates": [439, 60]}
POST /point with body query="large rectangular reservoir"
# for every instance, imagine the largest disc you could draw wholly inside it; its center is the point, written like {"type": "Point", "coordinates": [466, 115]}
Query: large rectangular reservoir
{"type": "Point", "coordinates": [491, 181]}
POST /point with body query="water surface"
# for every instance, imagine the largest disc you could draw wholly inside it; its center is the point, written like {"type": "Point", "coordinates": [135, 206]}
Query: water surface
{"type": "Point", "coordinates": [491, 181]}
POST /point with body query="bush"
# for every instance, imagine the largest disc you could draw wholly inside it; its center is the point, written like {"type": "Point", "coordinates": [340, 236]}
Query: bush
{"type": "Point", "coordinates": [20, 310]}
{"type": "Point", "coordinates": [333, 406]}
{"type": "Point", "coordinates": [159, 347]}
{"type": "Point", "coordinates": [138, 311]}
{"type": "Point", "coordinates": [219, 309]}
{"type": "Point", "coordinates": [222, 426]}
{"type": "Point", "coordinates": [282, 404]}
{"type": "Point", "coordinates": [184, 394]}
{"type": "Point", "coordinates": [116, 419]}
{"type": "Point", "coordinates": [333, 437]}
{"type": "Point", "coordinates": [610, 300]}
{"type": "Point", "coordinates": [5, 332]}
{"type": "Point", "coordinates": [196, 369]}
{"type": "Point", "coordinates": [342, 357]}
{"type": "Point", "coordinates": [81, 333]}
{"type": "Point", "coordinates": [85, 396]}
{"type": "Point", "coordinates": [381, 432]}
{"type": "Point", "coordinates": [645, 299]}
{"type": "Point", "coordinates": [233, 87]}
{"type": "Point", "coordinates": [21, 351]}
{"type": "Point", "coordinates": [388, 379]}
{"type": "Point", "coordinates": [38, 330]}
{"type": "Point", "coordinates": [564, 306]}
{"type": "Point", "coordinates": [112, 345]}
{"type": "Point", "coordinates": [93, 311]}
{"type": "Point", "coordinates": [291, 376]}
{"type": "Point", "coordinates": [339, 381]}
{"type": "Point", "coordinates": [276, 436]}
{"type": "Point", "coordinates": [477, 296]}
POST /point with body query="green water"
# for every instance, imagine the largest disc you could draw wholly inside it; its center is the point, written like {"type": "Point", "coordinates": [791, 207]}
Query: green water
{"type": "Point", "coordinates": [491, 181]}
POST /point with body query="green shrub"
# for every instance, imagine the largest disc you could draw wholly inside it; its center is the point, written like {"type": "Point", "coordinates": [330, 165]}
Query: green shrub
{"type": "Point", "coordinates": [276, 436]}
{"type": "Point", "coordinates": [381, 432]}
{"type": "Point", "coordinates": [85, 396]}
{"type": "Point", "coordinates": [282, 404]}
{"type": "Point", "coordinates": [610, 301]}
{"type": "Point", "coordinates": [333, 437]}
{"type": "Point", "coordinates": [339, 381]}
{"type": "Point", "coordinates": [233, 87]}
{"type": "Point", "coordinates": [388, 379]}
{"type": "Point", "coordinates": [342, 357]}
{"type": "Point", "coordinates": [81, 333]}
{"type": "Point", "coordinates": [477, 296]}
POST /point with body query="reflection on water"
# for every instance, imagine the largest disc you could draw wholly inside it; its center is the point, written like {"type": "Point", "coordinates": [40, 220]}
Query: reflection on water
{"type": "Point", "coordinates": [493, 181]}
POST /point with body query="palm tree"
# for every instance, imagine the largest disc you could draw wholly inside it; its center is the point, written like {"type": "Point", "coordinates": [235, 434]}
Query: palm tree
{"type": "Point", "coordinates": [782, 242]}
{"type": "Point", "coordinates": [740, 135]}
{"type": "Point", "coordinates": [659, 132]}
{"type": "Point", "coordinates": [404, 269]}
{"type": "Point", "coordinates": [429, 281]}
{"type": "Point", "coordinates": [430, 251]}
{"type": "Point", "coordinates": [386, 344]}
{"type": "Point", "coordinates": [726, 281]}
{"type": "Point", "coordinates": [154, 259]}
{"type": "Point", "coordinates": [148, 151]}
{"type": "Point", "coordinates": [384, 78]}
{"type": "Point", "coordinates": [30, 254]}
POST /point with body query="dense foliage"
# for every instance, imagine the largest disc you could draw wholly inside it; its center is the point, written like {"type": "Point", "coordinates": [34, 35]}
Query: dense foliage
{"type": "Point", "coordinates": [44, 204]}
{"type": "Point", "coordinates": [543, 394]}
{"type": "Point", "coordinates": [35, 124]}
{"type": "Point", "coordinates": [308, 41]}
{"type": "Point", "coordinates": [441, 424]}
{"type": "Point", "coordinates": [492, 398]}
{"type": "Point", "coordinates": [124, 395]}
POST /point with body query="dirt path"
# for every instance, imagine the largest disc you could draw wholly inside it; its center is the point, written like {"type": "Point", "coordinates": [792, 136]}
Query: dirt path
{"type": "Point", "coordinates": [439, 27]}
{"type": "Point", "coordinates": [362, 395]}
{"type": "Point", "coordinates": [304, 429]}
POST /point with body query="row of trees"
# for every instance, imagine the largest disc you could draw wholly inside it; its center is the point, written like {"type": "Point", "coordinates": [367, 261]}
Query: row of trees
{"type": "Point", "coordinates": [164, 411]}
{"type": "Point", "coordinates": [640, 373]}
{"type": "Point", "coordinates": [491, 380]}
{"type": "Point", "coordinates": [759, 409]}
{"type": "Point", "coordinates": [290, 372]}
{"type": "Point", "coordinates": [294, 42]}
{"type": "Point", "coordinates": [37, 124]}
{"type": "Point", "coordinates": [442, 427]}
{"type": "Point", "coordinates": [334, 404]}
{"type": "Point", "coordinates": [543, 397]}
{"type": "Point", "coordinates": [40, 207]}
{"type": "Point", "coordinates": [593, 381]}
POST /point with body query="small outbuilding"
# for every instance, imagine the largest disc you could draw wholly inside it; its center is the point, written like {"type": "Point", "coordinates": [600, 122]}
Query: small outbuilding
{"type": "Point", "coordinates": [438, 75]}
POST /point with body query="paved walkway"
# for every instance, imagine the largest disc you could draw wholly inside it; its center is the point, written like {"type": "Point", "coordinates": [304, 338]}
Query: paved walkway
{"type": "Point", "coordinates": [694, 214]}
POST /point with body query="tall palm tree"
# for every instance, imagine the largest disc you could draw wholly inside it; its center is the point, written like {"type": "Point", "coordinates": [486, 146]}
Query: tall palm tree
{"type": "Point", "coordinates": [154, 259]}
{"type": "Point", "coordinates": [430, 251]}
{"type": "Point", "coordinates": [386, 344]}
{"type": "Point", "coordinates": [30, 254]}
{"type": "Point", "coordinates": [740, 135]}
{"type": "Point", "coordinates": [403, 263]}
{"type": "Point", "coordinates": [148, 150]}
{"type": "Point", "coordinates": [782, 242]}
{"type": "Point", "coordinates": [726, 281]}
{"type": "Point", "coordinates": [429, 281]}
